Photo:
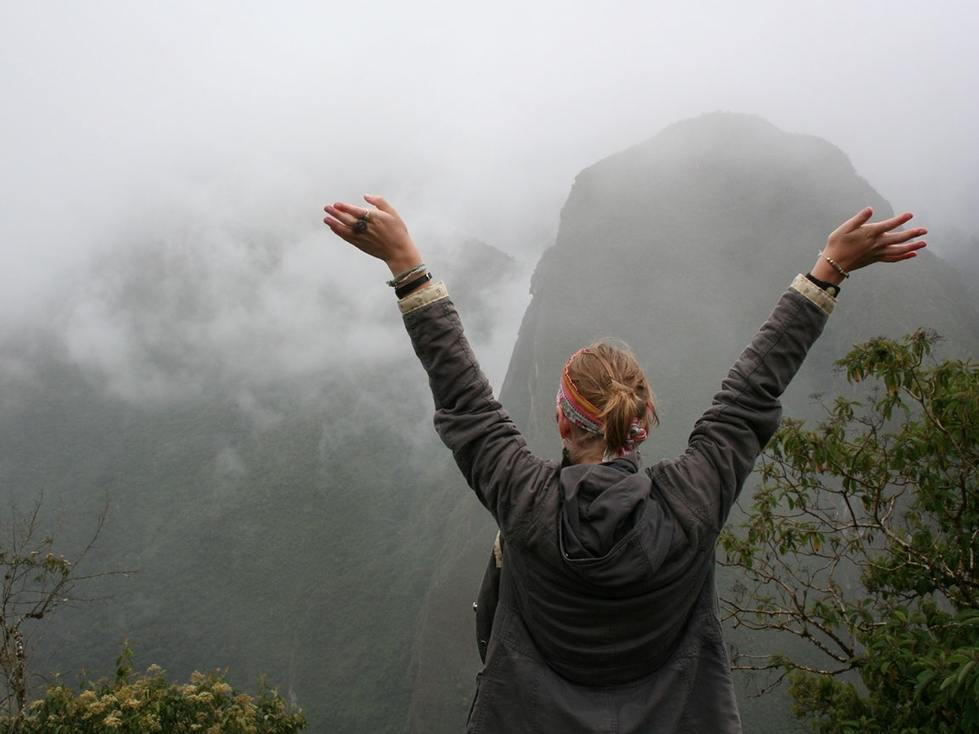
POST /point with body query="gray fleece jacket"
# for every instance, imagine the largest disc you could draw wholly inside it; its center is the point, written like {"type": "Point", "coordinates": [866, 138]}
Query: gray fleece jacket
{"type": "Point", "coordinates": [607, 615]}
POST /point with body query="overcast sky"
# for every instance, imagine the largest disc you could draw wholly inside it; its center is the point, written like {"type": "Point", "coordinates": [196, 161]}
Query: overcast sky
{"type": "Point", "coordinates": [474, 118]}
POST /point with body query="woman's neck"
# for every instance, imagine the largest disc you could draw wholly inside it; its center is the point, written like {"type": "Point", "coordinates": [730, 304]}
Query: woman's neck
{"type": "Point", "coordinates": [592, 454]}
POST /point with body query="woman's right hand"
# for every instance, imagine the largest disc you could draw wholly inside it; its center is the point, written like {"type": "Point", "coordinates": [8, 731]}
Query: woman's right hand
{"type": "Point", "coordinates": [858, 242]}
{"type": "Point", "coordinates": [383, 235]}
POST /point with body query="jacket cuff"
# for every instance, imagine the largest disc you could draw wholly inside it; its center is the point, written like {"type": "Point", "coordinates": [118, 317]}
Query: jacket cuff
{"type": "Point", "coordinates": [814, 293]}
{"type": "Point", "coordinates": [420, 298]}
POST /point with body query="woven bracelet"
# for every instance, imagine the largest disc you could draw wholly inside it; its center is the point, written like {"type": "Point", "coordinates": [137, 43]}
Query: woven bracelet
{"type": "Point", "coordinates": [399, 279]}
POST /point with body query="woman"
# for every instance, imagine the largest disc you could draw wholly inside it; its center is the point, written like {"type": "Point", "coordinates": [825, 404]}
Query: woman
{"type": "Point", "coordinates": [606, 619]}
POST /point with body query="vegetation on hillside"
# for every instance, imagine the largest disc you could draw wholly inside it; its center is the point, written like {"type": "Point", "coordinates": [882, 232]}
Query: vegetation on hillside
{"type": "Point", "coordinates": [139, 704]}
{"type": "Point", "coordinates": [862, 542]}
{"type": "Point", "coordinates": [37, 581]}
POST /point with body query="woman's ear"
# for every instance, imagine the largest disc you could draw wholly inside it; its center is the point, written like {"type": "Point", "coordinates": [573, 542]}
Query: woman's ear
{"type": "Point", "coordinates": [563, 425]}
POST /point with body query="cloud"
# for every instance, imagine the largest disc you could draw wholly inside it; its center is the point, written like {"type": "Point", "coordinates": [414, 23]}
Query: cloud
{"type": "Point", "coordinates": [193, 127]}
{"type": "Point", "coordinates": [212, 305]}
{"type": "Point", "coordinates": [204, 298]}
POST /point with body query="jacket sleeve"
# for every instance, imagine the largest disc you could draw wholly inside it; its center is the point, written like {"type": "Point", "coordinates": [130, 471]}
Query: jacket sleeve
{"type": "Point", "coordinates": [745, 413]}
{"type": "Point", "coordinates": [490, 451]}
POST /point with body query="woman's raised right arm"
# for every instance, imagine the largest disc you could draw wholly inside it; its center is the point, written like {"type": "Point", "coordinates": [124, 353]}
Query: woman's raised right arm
{"type": "Point", "coordinates": [745, 412]}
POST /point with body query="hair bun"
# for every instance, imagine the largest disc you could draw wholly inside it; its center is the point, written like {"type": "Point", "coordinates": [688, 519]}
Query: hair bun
{"type": "Point", "coordinates": [617, 386]}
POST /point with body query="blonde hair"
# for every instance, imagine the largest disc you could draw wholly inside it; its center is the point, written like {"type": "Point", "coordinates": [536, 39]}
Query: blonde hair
{"type": "Point", "coordinates": [609, 377]}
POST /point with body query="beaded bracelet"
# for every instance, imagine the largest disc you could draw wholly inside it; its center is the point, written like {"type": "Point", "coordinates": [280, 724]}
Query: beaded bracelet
{"type": "Point", "coordinates": [836, 265]}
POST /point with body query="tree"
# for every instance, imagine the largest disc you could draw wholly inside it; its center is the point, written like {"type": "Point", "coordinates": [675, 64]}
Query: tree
{"type": "Point", "coordinates": [862, 542]}
{"type": "Point", "coordinates": [36, 581]}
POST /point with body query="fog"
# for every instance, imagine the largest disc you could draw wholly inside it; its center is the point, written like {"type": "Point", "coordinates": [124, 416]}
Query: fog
{"type": "Point", "coordinates": [163, 169]}
{"type": "Point", "coordinates": [473, 121]}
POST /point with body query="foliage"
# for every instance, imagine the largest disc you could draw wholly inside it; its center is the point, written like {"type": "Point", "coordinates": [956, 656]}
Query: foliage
{"type": "Point", "coordinates": [862, 542]}
{"type": "Point", "coordinates": [132, 704]}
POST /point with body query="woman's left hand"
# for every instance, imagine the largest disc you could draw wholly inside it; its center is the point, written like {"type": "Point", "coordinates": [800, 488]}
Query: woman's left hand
{"type": "Point", "coordinates": [858, 242]}
{"type": "Point", "coordinates": [385, 235]}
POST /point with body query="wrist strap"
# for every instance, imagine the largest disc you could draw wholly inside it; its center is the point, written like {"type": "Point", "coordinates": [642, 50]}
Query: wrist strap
{"type": "Point", "coordinates": [408, 288]}
{"type": "Point", "coordinates": [825, 285]}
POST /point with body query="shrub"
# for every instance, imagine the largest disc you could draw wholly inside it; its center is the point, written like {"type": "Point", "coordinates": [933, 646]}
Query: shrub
{"type": "Point", "coordinates": [138, 704]}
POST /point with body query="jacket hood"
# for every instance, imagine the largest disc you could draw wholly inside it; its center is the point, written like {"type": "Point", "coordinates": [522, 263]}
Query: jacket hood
{"type": "Point", "coordinates": [606, 514]}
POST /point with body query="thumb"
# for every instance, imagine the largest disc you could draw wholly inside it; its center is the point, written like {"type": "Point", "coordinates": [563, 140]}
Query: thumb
{"type": "Point", "coordinates": [380, 203]}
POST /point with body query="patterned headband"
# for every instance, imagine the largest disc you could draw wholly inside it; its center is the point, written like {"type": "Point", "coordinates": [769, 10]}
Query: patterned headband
{"type": "Point", "coordinates": [574, 405]}
{"type": "Point", "coordinates": [579, 410]}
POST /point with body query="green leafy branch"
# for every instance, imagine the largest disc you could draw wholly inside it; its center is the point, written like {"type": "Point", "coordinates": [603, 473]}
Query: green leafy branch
{"type": "Point", "coordinates": [863, 535]}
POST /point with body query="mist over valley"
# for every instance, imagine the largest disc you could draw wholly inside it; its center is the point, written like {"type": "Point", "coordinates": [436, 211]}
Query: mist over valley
{"type": "Point", "coordinates": [182, 341]}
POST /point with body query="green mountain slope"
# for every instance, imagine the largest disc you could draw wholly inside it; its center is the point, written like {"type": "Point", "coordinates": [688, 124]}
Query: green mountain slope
{"type": "Point", "coordinates": [277, 524]}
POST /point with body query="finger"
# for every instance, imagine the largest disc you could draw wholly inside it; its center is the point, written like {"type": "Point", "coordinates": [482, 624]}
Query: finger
{"type": "Point", "coordinates": [380, 203]}
{"type": "Point", "coordinates": [339, 228]}
{"type": "Point", "coordinates": [352, 210]}
{"type": "Point", "coordinates": [902, 252]}
{"type": "Point", "coordinates": [899, 237]}
{"type": "Point", "coordinates": [888, 224]}
{"type": "Point", "coordinates": [341, 214]}
{"type": "Point", "coordinates": [358, 212]}
{"type": "Point", "coordinates": [856, 221]}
